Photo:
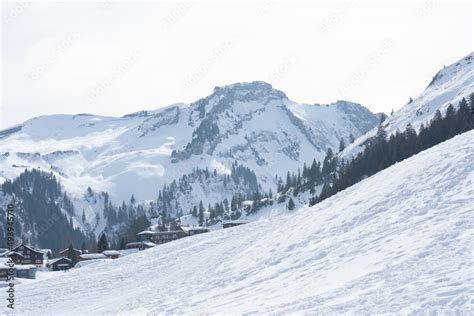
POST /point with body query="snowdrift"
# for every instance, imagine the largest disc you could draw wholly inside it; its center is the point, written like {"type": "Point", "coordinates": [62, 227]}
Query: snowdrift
{"type": "Point", "coordinates": [398, 242]}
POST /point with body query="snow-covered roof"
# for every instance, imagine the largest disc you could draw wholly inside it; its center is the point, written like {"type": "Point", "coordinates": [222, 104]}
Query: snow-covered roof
{"type": "Point", "coordinates": [67, 249]}
{"type": "Point", "coordinates": [111, 253]}
{"type": "Point", "coordinates": [57, 259]}
{"type": "Point", "coordinates": [187, 228]}
{"type": "Point", "coordinates": [29, 247]}
{"type": "Point", "coordinates": [146, 232]}
{"type": "Point", "coordinates": [25, 267]}
{"type": "Point", "coordinates": [4, 261]}
{"type": "Point", "coordinates": [89, 256]}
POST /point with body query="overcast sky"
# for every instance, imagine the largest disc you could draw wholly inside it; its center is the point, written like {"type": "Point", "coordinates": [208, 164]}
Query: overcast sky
{"type": "Point", "coordinates": [116, 58]}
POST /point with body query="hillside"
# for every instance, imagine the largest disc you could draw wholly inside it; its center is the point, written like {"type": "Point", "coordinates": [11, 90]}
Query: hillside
{"type": "Point", "coordinates": [397, 242]}
{"type": "Point", "coordinates": [448, 86]}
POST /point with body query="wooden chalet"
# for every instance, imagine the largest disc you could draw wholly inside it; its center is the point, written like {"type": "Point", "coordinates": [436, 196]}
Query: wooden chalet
{"type": "Point", "coordinates": [30, 255]}
{"type": "Point", "coordinates": [59, 264]}
{"type": "Point", "coordinates": [190, 231]}
{"type": "Point", "coordinates": [161, 237]}
{"type": "Point", "coordinates": [146, 235]}
{"type": "Point", "coordinates": [77, 253]}
{"type": "Point", "coordinates": [15, 256]}
{"type": "Point", "coordinates": [164, 237]}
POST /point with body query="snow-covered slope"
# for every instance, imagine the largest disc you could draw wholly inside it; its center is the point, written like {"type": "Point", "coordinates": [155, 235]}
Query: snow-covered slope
{"type": "Point", "coordinates": [398, 242]}
{"type": "Point", "coordinates": [249, 122]}
{"type": "Point", "coordinates": [448, 86]}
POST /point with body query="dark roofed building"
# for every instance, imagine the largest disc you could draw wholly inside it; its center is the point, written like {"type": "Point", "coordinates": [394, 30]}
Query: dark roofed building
{"type": "Point", "coordinates": [15, 256]}
{"type": "Point", "coordinates": [77, 252]}
{"type": "Point", "coordinates": [59, 264]}
{"type": "Point", "coordinates": [30, 255]}
{"type": "Point", "coordinates": [190, 231]}
{"type": "Point", "coordinates": [167, 236]}
{"type": "Point", "coordinates": [146, 235]}
{"type": "Point", "coordinates": [161, 237]}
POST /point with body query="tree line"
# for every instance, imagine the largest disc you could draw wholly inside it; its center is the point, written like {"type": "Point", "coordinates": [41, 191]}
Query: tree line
{"type": "Point", "coordinates": [381, 151]}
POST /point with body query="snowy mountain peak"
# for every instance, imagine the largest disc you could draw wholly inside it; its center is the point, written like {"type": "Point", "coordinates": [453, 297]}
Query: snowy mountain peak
{"type": "Point", "coordinates": [248, 121]}
{"type": "Point", "coordinates": [224, 98]}
{"type": "Point", "coordinates": [250, 90]}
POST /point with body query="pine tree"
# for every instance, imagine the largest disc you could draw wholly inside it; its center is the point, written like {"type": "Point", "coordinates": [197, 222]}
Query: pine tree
{"type": "Point", "coordinates": [379, 153]}
{"type": "Point", "coordinates": [471, 98]}
{"type": "Point", "coordinates": [351, 138]}
{"type": "Point", "coordinates": [342, 144]}
{"type": "Point", "coordinates": [71, 254]}
{"type": "Point", "coordinates": [201, 213]}
{"type": "Point", "coordinates": [291, 204]}
{"type": "Point", "coordinates": [288, 181]}
{"type": "Point", "coordinates": [103, 244]}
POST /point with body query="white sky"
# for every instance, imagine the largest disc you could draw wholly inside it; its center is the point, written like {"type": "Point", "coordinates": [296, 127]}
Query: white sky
{"type": "Point", "coordinates": [116, 58]}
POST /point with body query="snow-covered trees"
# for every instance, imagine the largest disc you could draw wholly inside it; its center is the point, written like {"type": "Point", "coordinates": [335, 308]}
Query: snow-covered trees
{"type": "Point", "coordinates": [40, 205]}
{"type": "Point", "coordinates": [381, 152]}
{"type": "Point", "coordinates": [201, 213]}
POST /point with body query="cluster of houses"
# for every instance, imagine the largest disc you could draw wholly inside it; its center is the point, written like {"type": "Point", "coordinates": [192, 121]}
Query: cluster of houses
{"type": "Point", "coordinates": [29, 259]}
{"type": "Point", "coordinates": [149, 238]}
{"type": "Point", "coordinates": [26, 258]}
